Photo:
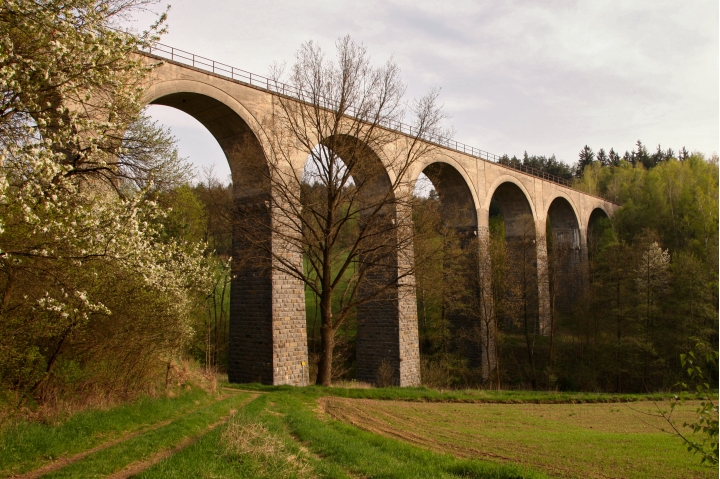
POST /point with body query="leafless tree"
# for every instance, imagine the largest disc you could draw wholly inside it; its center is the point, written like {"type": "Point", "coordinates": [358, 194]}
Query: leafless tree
{"type": "Point", "coordinates": [347, 213]}
{"type": "Point", "coordinates": [521, 301]}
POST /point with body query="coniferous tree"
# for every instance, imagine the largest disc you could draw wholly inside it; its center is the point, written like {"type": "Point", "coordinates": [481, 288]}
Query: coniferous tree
{"type": "Point", "coordinates": [602, 157]}
{"type": "Point", "coordinates": [585, 157]}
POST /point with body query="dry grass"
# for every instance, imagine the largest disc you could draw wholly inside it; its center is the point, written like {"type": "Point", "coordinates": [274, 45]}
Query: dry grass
{"type": "Point", "coordinates": [251, 442]}
{"type": "Point", "coordinates": [565, 440]}
{"type": "Point", "coordinates": [351, 384]}
{"type": "Point", "coordinates": [56, 402]}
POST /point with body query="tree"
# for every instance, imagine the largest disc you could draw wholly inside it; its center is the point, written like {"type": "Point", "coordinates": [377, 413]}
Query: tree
{"type": "Point", "coordinates": [585, 157]}
{"type": "Point", "coordinates": [87, 274]}
{"type": "Point", "coordinates": [345, 215]}
{"type": "Point", "coordinates": [521, 302]}
{"type": "Point", "coordinates": [602, 157]}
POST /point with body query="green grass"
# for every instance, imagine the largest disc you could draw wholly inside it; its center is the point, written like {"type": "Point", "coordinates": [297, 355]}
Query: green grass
{"type": "Point", "coordinates": [146, 445]}
{"type": "Point", "coordinates": [402, 433]}
{"type": "Point", "coordinates": [328, 448]}
{"type": "Point", "coordinates": [570, 440]}
{"type": "Point", "coordinates": [207, 457]}
{"type": "Point", "coordinates": [367, 454]}
{"type": "Point", "coordinates": [423, 394]}
{"type": "Point", "coordinates": [28, 445]}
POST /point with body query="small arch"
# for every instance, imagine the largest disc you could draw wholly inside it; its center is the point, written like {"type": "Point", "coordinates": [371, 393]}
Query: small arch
{"type": "Point", "coordinates": [563, 219]}
{"type": "Point", "coordinates": [451, 163]}
{"type": "Point", "coordinates": [456, 198]}
{"type": "Point", "coordinates": [503, 180]}
{"type": "Point", "coordinates": [599, 211]}
{"type": "Point", "coordinates": [565, 273]}
{"type": "Point", "coordinates": [598, 223]}
{"type": "Point", "coordinates": [517, 209]}
{"type": "Point", "coordinates": [570, 202]}
{"type": "Point", "coordinates": [366, 167]}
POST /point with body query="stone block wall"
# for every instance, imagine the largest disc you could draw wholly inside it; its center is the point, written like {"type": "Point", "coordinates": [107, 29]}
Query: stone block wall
{"type": "Point", "coordinates": [251, 295]}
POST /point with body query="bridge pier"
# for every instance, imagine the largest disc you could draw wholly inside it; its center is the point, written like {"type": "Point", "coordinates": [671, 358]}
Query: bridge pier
{"type": "Point", "coordinates": [543, 283]}
{"type": "Point", "coordinates": [268, 337]}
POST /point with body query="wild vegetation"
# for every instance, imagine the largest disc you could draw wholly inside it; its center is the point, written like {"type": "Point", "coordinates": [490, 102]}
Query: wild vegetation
{"type": "Point", "coordinates": [652, 293]}
{"type": "Point", "coordinates": [99, 293]}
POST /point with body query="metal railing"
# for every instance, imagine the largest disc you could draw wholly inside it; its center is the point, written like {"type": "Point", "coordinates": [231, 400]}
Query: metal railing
{"type": "Point", "coordinates": [273, 86]}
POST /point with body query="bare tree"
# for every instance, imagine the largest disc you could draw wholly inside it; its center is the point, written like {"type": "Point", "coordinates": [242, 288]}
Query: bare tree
{"type": "Point", "coordinates": [521, 301]}
{"type": "Point", "coordinates": [348, 211]}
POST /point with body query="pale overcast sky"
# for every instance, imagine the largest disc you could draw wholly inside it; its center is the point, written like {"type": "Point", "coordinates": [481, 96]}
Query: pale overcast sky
{"type": "Point", "coordinates": [542, 77]}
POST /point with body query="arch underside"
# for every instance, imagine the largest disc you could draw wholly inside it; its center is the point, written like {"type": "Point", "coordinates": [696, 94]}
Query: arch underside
{"type": "Point", "coordinates": [258, 349]}
{"type": "Point", "coordinates": [521, 294]}
{"type": "Point", "coordinates": [565, 255]}
{"type": "Point", "coordinates": [458, 212]}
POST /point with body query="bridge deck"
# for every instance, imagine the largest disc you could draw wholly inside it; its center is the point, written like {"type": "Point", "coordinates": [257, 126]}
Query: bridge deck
{"type": "Point", "coordinates": [181, 57]}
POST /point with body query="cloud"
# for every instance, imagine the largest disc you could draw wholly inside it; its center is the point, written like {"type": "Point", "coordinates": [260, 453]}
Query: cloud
{"type": "Point", "coordinates": [546, 77]}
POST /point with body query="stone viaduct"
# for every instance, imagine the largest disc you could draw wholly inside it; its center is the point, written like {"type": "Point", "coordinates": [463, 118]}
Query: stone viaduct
{"type": "Point", "coordinates": [268, 339]}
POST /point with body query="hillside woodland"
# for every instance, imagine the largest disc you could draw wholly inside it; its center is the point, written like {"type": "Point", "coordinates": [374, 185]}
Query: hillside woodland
{"type": "Point", "coordinates": [652, 293]}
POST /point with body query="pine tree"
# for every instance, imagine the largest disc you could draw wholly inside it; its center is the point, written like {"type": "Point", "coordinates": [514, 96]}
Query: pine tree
{"type": "Point", "coordinates": [586, 157]}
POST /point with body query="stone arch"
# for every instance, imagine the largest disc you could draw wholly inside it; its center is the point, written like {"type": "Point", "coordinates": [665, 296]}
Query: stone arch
{"type": "Point", "coordinates": [599, 211]}
{"type": "Point", "coordinates": [566, 276]}
{"type": "Point", "coordinates": [385, 330]}
{"type": "Point", "coordinates": [516, 205]}
{"type": "Point", "coordinates": [268, 343]}
{"type": "Point", "coordinates": [458, 208]}
{"type": "Point", "coordinates": [458, 203]}
{"type": "Point", "coordinates": [521, 237]}
{"type": "Point", "coordinates": [507, 179]}
{"type": "Point", "coordinates": [593, 233]}
{"type": "Point", "coordinates": [452, 163]}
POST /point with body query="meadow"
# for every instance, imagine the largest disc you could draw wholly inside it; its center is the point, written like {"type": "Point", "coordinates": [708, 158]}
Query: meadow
{"type": "Point", "coordinates": [262, 431]}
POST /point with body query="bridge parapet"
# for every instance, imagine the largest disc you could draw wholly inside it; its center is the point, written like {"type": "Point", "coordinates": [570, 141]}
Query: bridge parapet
{"type": "Point", "coordinates": [254, 80]}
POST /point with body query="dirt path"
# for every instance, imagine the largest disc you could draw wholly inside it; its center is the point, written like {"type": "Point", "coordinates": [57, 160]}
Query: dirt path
{"type": "Point", "coordinates": [66, 461]}
{"type": "Point", "coordinates": [139, 466]}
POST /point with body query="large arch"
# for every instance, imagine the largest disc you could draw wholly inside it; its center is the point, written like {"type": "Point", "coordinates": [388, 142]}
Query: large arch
{"type": "Point", "coordinates": [565, 251]}
{"type": "Point", "coordinates": [458, 210]}
{"type": "Point", "coordinates": [268, 343]}
{"type": "Point", "coordinates": [386, 317]}
{"type": "Point", "coordinates": [524, 288]}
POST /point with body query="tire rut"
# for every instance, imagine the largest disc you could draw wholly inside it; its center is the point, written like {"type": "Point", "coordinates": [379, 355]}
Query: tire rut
{"type": "Point", "coordinates": [135, 468]}
{"type": "Point", "coordinates": [66, 461]}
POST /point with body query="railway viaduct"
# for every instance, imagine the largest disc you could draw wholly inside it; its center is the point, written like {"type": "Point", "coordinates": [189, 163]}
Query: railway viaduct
{"type": "Point", "coordinates": [268, 339]}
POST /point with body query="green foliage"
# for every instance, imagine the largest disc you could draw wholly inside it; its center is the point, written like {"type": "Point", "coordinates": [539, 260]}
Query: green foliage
{"type": "Point", "coordinates": [706, 421]}
{"type": "Point", "coordinates": [95, 277]}
{"type": "Point", "coordinates": [28, 445]}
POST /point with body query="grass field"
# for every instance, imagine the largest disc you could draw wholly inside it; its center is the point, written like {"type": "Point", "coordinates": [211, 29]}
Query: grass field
{"type": "Point", "coordinates": [563, 440]}
{"type": "Point", "coordinates": [274, 432]}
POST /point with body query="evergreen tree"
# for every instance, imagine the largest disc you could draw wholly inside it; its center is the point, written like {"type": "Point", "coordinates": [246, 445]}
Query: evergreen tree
{"type": "Point", "coordinates": [602, 157]}
{"type": "Point", "coordinates": [585, 157]}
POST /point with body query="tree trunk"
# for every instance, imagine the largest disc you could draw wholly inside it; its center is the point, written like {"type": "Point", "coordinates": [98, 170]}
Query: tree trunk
{"type": "Point", "coordinates": [327, 338]}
